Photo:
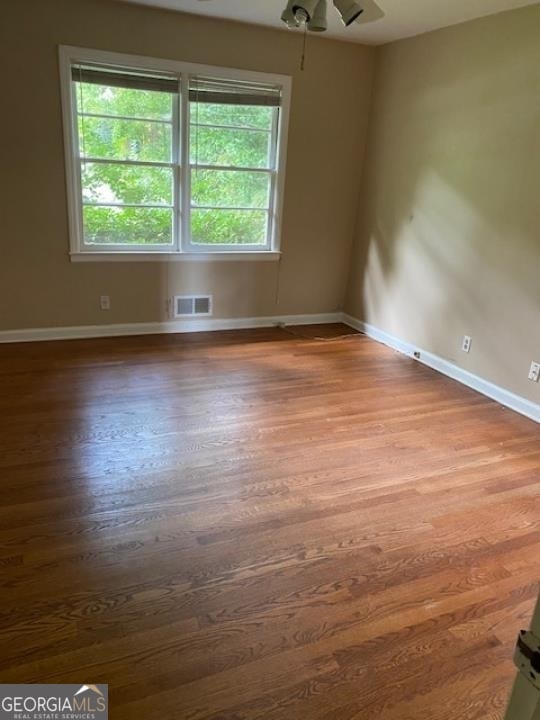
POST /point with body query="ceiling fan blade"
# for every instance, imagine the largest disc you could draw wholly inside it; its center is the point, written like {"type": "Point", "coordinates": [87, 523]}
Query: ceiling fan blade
{"type": "Point", "coordinates": [371, 12]}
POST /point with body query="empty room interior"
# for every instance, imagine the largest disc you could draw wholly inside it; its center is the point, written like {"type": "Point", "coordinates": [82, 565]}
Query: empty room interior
{"type": "Point", "coordinates": [270, 360]}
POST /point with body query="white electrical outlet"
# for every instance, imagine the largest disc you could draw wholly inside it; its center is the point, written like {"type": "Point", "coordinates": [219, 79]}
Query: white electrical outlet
{"type": "Point", "coordinates": [105, 302]}
{"type": "Point", "coordinates": [467, 342]}
{"type": "Point", "coordinates": [534, 372]}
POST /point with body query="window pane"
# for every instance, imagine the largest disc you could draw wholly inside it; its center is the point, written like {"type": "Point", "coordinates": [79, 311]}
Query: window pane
{"type": "Point", "coordinates": [127, 226]}
{"type": "Point", "coordinates": [139, 185]}
{"type": "Point", "coordinates": [125, 139]}
{"type": "Point", "coordinates": [105, 100]}
{"type": "Point", "coordinates": [236, 148]}
{"type": "Point", "coordinates": [235, 115]}
{"type": "Point", "coordinates": [230, 189]}
{"type": "Point", "coordinates": [228, 227]}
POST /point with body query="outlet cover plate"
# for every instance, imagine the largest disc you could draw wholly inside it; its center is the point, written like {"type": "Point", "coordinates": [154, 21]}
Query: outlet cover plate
{"type": "Point", "coordinates": [534, 372]}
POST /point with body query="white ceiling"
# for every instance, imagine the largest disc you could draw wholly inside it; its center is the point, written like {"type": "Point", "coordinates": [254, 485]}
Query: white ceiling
{"type": "Point", "coordinates": [403, 18]}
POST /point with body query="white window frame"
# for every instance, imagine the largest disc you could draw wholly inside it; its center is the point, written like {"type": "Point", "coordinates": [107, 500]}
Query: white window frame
{"type": "Point", "coordinates": [183, 249]}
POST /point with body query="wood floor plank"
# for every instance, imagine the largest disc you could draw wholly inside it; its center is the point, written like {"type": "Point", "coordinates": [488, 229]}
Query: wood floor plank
{"type": "Point", "coordinates": [260, 525]}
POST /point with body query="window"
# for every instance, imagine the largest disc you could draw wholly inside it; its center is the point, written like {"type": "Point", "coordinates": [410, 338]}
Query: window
{"type": "Point", "coordinates": [125, 128]}
{"type": "Point", "coordinates": [232, 162]}
{"type": "Point", "coordinates": [172, 158]}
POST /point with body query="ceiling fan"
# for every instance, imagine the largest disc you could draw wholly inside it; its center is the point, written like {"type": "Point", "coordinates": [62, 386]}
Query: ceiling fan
{"type": "Point", "coordinates": [311, 14]}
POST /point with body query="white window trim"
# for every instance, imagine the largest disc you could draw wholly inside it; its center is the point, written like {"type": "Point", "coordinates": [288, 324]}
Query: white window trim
{"type": "Point", "coordinates": [185, 251]}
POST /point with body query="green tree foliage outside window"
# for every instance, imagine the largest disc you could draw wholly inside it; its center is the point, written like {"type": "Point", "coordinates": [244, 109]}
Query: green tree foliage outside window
{"type": "Point", "coordinates": [132, 204]}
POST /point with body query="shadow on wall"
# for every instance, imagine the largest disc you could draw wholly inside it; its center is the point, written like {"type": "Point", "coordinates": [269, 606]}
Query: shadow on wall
{"type": "Point", "coordinates": [447, 239]}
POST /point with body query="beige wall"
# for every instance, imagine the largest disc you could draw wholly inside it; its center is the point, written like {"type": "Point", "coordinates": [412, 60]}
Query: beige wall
{"type": "Point", "coordinates": [39, 287]}
{"type": "Point", "coordinates": [448, 240]}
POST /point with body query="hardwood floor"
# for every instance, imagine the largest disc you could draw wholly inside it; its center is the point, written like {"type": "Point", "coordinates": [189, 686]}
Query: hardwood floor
{"type": "Point", "coordinates": [253, 524]}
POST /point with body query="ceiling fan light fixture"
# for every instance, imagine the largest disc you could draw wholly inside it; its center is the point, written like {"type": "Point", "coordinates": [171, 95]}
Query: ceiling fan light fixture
{"type": "Point", "coordinates": [288, 17]}
{"type": "Point", "coordinates": [349, 11]}
{"type": "Point", "coordinates": [301, 17]}
{"type": "Point", "coordinates": [318, 23]}
{"type": "Point", "coordinates": [304, 10]}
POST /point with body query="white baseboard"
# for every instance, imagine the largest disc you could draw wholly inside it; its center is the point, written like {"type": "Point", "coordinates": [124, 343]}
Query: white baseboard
{"type": "Point", "coordinates": [157, 328]}
{"type": "Point", "coordinates": [499, 394]}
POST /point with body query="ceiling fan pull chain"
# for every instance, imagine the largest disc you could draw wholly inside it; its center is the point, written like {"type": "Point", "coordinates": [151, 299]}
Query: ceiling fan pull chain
{"type": "Point", "coordinates": [304, 44]}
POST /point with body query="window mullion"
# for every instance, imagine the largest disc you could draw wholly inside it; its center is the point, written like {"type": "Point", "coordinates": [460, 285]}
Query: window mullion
{"type": "Point", "coordinates": [176, 150]}
{"type": "Point", "coordinates": [147, 206]}
{"type": "Point", "coordinates": [77, 172]}
{"type": "Point", "coordinates": [233, 168]}
{"type": "Point", "coordinates": [240, 208]}
{"type": "Point", "coordinates": [271, 227]}
{"type": "Point", "coordinates": [135, 118]}
{"type": "Point", "coordinates": [115, 161]}
{"type": "Point", "coordinates": [184, 174]}
{"type": "Point", "coordinates": [232, 127]}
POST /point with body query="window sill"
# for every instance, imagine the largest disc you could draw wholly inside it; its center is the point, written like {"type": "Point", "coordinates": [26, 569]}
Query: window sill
{"type": "Point", "coordinates": [257, 256]}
